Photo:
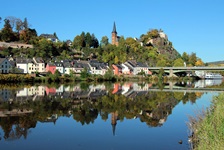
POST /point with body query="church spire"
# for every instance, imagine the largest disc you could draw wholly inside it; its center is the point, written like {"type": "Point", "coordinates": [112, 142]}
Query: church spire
{"type": "Point", "coordinates": [114, 28]}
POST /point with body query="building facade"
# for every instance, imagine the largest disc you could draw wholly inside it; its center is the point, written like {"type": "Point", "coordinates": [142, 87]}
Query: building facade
{"type": "Point", "coordinates": [115, 38]}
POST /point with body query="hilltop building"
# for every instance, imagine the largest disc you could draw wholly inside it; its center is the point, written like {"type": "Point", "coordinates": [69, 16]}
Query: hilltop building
{"type": "Point", "coordinates": [50, 37]}
{"type": "Point", "coordinates": [115, 38]}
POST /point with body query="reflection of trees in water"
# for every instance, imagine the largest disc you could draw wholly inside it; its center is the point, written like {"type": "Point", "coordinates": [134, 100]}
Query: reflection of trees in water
{"type": "Point", "coordinates": [153, 108]}
{"type": "Point", "coordinates": [16, 127]}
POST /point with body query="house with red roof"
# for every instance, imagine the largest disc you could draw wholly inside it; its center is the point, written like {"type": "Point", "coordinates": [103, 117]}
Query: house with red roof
{"type": "Point", "coordinates": [51, 67]}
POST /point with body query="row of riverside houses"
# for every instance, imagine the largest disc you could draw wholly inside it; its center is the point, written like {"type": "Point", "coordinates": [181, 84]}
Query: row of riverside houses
{"type": "Point", "coordinates": [29, 66]}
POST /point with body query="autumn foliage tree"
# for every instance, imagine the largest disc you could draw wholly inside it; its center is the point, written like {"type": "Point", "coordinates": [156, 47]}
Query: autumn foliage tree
{"type": "Point", "coordinates": [7, 33]}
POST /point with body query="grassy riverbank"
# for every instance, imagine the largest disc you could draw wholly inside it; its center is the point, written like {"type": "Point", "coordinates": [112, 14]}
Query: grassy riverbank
{"type": "Point", "coordinates": [208, 127]}
{"type": "Point", "coordinates": [58, 78]}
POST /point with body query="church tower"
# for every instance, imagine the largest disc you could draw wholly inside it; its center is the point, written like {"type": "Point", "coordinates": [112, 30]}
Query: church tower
{"type": "Point", "coordinates": [114, 36]}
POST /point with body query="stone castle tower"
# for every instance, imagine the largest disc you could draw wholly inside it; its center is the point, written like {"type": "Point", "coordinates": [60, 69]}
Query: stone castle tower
{"type": "Point", "coordinates": [114, 36]}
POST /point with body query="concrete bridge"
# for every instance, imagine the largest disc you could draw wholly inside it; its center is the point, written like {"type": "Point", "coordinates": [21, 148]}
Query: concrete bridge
{"type": "Point", "coordinates": [173, 70]}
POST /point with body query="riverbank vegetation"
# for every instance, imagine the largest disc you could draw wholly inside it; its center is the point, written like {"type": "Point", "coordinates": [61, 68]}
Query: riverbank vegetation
{"type": "Point", "coordinates": [208, 127]}
{"type": "Point", "coordinates": [85, 76]}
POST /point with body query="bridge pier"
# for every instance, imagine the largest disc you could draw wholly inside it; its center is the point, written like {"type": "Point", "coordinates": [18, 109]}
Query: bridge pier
{"type": "Point", "coordinates": [171, 73]}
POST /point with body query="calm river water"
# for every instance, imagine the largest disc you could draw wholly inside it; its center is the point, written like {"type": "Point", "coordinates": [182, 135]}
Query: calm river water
{"type": "Point", "coordinates": [107, 116]}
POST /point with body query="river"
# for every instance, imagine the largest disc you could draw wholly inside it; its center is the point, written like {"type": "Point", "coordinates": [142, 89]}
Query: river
{"type": "Point", "coordinates": [111, 116]}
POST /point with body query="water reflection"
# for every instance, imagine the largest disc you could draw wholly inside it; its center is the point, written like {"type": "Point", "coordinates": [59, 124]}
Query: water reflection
{"type": "Point", "coordinates": [22, 109]}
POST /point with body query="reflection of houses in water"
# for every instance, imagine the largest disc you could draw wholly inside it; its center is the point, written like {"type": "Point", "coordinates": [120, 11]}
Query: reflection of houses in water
{"type": "Point", "coordinates": [75, 92]}
{"type": "Point", "coordinates": [131, 90]}
{"type": "Point", "coordinates": [31, 93]}
{"type": "Point", "coordinates": [60, 90]}
{"type": "Point", "coordinates": [6, 94]}
{"type": "Point", "coordinates": [117, 88]}
{"type": "Point", "coordinates": [50, 91]}
{"type": "Point", "coordinates": [41, 92]}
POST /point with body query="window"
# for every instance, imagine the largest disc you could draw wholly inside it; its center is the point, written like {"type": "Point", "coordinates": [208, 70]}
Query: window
{"type": "Point", "coordinates": [6, 62]}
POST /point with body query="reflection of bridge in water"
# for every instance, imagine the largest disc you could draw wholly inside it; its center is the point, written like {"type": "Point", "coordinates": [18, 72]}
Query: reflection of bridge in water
{"type": "Point", "coordinates": [220, 90]}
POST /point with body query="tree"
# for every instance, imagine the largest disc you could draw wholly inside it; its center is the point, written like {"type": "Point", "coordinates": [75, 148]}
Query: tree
{"type": "Point", "coordinates": [185, 57]}
{"type": "Point", "coordinates": [95, 42]}
{"type": "Point", "coordinates": [19, 25]}
{"type": "Point", "coordinates": [7, 34]}
{"type": "Point", "coordinates": [192, 59]}
{"type": "Point", "coordinates": [132, 43]}
{"type": "Point", "coordinates": [79, 41]}
{"type": "Point", "coordinates": [55, 35]}
{"type": "Point", "coordinates": [104, 41]}
{"type": "Point", "coordinates": [27, 35]}
{"type": "Point", "coordinates": [88, 39]}
{"type": "Point", "coordinates": [153, 33]}
{"type": "Point", "coordinates": [161, 61]}
{"type": "Point", "coordinates": [178, 63]}
{"type": "Point", "coordinates": [199, 62]}
{"type": "Point", "coordinates": [25, 23]}
{"type": "Point", "coordinates": [116, 60]}
{"type": "Point", "coordinates": [84, 74]}
{"type": "Point", "coordinates": [12, 21]}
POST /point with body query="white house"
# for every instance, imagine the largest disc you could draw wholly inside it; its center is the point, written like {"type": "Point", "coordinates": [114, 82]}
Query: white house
{"type": "Point", "coordinates": [5, 65]}
{"type": "Point", "coordinates": [98, 68]}
{"type": "Point", "coordinates": [31, 66]}
{"type": "Point", "coordinates": [137, 67]}
{"type": "Point", "coordinates": [60, 67]}
{"type": "Point", "coordinates": [22, 64]}
{"type": "Point", "coordinates": [125, 69]}
{"type": "Point", "coordinates": [50, 37]}
{"type": "Point", "coordinates": [68, 67]}
{"type": "Point", "coordinates": [40, 65]}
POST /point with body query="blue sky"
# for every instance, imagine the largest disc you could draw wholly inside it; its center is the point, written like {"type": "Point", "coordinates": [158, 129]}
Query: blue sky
{"type": "Point", "coordinates": [191, 25]}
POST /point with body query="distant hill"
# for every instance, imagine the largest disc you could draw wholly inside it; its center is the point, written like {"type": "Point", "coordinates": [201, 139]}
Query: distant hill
{"type": "Point", "coordinates": [216, 62]}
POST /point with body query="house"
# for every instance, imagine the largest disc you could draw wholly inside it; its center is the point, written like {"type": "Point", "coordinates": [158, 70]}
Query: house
{"type": "Point", "coordinates": [79, 66]}
{"type": "Point", "coordinates": [137, 67]}
{"type": "Point", "coordinates": [97, 67]}
{"type": "Point", "coordinates": [117, 69]}
{"type": "Point", "coordinates": [126, 70]}
{"type": "Point", "coordinates": [50, 37]}
{"type": "Point", "coordinates": [31, 66]}
{"type": "Point", "coordinates": [69, 43]}
{"type": "Point", "coordinates": [5, 65]}
{"type": "Point", "coordinates": [60, 67]}
{"type": "Point", "coordinates": [68, 67]}
{"type": "Point", "coordinates": [40, 65]}
{"type": "Point", "coordinates": [25, 65]}
{"type": "Point", "coordinates": [50, 67]}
